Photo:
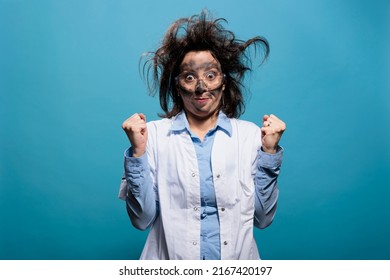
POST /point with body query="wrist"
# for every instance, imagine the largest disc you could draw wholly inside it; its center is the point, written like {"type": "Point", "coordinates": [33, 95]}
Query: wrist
{"type": "Point", "coordinates": [138, 152]}
{"type": "Point", "coordinates": [269, 150]}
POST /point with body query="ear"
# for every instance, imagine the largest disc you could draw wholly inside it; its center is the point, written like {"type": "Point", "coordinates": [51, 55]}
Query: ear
{"type": "Point", "coordinates": [223, 87]}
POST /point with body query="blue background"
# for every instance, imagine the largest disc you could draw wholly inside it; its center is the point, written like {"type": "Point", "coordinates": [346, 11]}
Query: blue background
{"type": "Point", "coordinates": [69, 77]}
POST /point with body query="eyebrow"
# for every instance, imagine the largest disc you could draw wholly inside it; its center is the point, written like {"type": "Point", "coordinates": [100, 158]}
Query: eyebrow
{"type": "Point", "coordinates": [193, 66]}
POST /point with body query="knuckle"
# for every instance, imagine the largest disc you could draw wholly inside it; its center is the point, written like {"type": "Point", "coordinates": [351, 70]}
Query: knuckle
{"type": "Point", "coordinates": [125, 125]}
{"type": "Point", "coordinates": [134, 117]}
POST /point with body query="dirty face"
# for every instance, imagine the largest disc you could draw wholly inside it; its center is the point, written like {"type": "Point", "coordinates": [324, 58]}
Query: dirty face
{"type": "Point", "coordinates": [200, 84]}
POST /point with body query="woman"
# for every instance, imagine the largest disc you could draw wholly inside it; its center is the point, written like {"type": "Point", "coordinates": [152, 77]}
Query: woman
{"type": "Point", "coordinates": [200, 178]}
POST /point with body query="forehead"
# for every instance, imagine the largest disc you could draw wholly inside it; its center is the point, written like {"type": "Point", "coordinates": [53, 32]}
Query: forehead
{"type": "Point", "coordinates": [199, 60]}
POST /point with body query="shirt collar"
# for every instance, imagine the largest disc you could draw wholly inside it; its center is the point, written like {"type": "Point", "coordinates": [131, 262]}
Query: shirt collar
{"type": "Point", "coordinates": [180, 122]}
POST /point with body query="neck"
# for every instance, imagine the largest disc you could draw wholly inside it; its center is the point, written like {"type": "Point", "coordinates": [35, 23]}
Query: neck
{"type": "Point", "coordinates": [201, 126]}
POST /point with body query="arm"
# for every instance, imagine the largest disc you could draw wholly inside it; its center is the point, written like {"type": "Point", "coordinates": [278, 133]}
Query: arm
{"type": "Point", "coordinates": [141, 203]}
{"type": "Point", "coordinates": [266, 186]}
{"type": "Point", "coordinates": [141, 198]}
{"type": "Point", "coordinates": [269, 160]}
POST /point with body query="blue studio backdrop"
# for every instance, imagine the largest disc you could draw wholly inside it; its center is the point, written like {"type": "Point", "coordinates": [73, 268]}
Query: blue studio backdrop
{"type": "Point", "coordinates": [69, 76]}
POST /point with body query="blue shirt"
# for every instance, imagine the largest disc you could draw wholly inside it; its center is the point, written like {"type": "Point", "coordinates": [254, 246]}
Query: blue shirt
{"type": "Point", "coordinates": [209, 233]}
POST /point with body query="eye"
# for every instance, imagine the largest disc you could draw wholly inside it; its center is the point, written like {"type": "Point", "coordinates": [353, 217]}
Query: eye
{"type": "Point", "coordinates": [189, 77]}
{"type": "Point", "coordinates": [211, 75]}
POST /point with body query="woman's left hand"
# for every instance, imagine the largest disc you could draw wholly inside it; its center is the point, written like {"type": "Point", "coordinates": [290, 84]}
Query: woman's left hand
{"type": "Point", "coordinates": [271, 132]}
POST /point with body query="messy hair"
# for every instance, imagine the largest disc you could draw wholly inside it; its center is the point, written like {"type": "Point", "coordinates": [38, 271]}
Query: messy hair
{"type": "Point", "coordinates": [200, 33]}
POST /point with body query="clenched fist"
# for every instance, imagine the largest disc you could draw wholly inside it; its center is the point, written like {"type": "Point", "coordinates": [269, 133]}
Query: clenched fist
{"type": "Point", "coordinates": [137, 132]}
{"type": "Point", "coordinates": [271, 132]}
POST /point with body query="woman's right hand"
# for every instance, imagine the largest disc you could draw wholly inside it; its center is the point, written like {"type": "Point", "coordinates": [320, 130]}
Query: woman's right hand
{"type": "Point", "coordinates": [137, 132]}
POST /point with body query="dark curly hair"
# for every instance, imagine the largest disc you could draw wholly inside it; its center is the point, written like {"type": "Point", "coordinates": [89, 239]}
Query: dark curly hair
{"type": "Point", "coordinates": [199, 33]}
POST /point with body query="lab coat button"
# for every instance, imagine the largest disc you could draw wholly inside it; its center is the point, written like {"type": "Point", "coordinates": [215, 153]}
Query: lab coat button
{"type": "Point", "coordinates": [194, 243]}
{"type": "Point", "coordinates": [218, 175]}
{"type": "Point", "coordinates": [222, 209]}
{"type": "Point", "coordinates": [193, 174]}
{"type": "Point", "coordinates": [225, 243]}
{"type": "Point", "coordinates": [195, 208]}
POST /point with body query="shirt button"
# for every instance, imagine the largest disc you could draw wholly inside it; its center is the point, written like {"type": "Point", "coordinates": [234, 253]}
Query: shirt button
{"type": "Point", "coordinates": [222, 209]}
{"type": "Point", "coordinates": [225, 243]}
{"type": "Point", "coordinates": [218, 175]}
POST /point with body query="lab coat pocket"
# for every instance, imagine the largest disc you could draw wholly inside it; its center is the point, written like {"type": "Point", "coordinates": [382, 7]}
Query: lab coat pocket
{"type": "Point", "coordinates": [246, 187]}
{"type": "Point", "coordinates": [178, 196]}
{"type": "Point", "coordinates": [247, 206]}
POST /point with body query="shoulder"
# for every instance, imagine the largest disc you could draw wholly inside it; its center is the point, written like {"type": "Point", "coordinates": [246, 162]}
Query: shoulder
{"type": "Point", "coordinates": [248, 134]}
{"type": "Point", "coordinates": [159, 125]}
{"type": "Point", "coordinates": [245, 130]}
{"type": "Point", "coordinates": [244, 125]}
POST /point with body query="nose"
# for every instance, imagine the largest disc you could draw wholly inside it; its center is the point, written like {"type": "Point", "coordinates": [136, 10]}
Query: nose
{"type": "Point", "coordinates": [200, 87]}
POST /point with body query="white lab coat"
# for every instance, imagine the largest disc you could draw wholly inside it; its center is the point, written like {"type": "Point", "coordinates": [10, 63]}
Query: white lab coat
{"type": "Point", "coordinates": [175, 234]}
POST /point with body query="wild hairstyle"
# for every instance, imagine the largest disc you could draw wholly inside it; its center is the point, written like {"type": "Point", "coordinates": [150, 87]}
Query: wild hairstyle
{"type": "Point", "coordinates": [200, 33]}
